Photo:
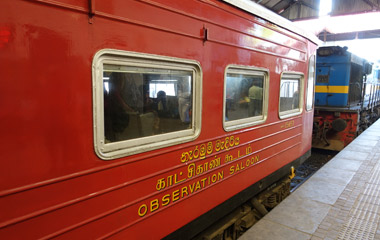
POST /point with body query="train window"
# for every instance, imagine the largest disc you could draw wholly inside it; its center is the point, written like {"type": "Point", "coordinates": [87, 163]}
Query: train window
{"type": "Point", "coordinates": [144, 102]}
{"type": "Point", "coordinates": [291, 86]}
{"type": "Point", "coordinates": [245, 97]}
{"type": "Point", "coordinates": [310, 84]}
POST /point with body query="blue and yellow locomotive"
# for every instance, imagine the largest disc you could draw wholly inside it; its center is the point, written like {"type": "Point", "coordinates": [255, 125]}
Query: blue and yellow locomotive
{"type": "Point", "coordinates": [347, 97]}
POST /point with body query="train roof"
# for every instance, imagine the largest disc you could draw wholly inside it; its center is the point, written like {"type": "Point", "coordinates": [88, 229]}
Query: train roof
{"type": "Point", "coordinates": [334, 51]}
{"type": "Point", "coordinates": [270, 16]}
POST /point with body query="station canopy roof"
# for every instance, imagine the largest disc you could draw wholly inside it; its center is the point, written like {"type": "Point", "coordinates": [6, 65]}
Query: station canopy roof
{"type": "Point", "coordinates": [347, 22]}
{"type": "Point", "coordinates": [348, 19]}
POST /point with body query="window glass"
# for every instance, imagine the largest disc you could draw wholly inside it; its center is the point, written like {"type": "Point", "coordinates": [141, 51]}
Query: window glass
{"type": "Point", "coordinates": [289, 95]}
{"type": "Point", "coordinates": [310, 84]}
{"type": "Point", "coordinates": [290, 99]}
{"type": "Point", "coordinates": [140, 102]}
{"type": "Point", "coordinates": [144, 102]}
{"type": "Point", "coordinates": [244, 97]}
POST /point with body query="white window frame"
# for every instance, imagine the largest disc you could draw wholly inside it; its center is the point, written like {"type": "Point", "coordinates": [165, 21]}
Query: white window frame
{"type": "Point", "coordinates": [107, 151]}
{"type": "Point", "coordinates": [311, 83]}
{"type": "Point", "coordinates": [294, 112]}
{"type": "Point", "coordinates": [250, 121]}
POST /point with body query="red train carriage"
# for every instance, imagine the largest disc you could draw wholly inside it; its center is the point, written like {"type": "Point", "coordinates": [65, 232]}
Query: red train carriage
{"type": "Point", "coordinates": [143, 119]}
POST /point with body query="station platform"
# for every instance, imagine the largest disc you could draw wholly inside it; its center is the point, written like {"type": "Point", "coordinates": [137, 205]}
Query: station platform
{"type": "Point", "coordinates": [340, 201]}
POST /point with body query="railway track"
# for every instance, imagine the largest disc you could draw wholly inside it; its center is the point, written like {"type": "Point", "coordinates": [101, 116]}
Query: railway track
{"type": "Point", "coordinates": [318, 158]}
{"type": "Point", "coordinates": [242, 218]}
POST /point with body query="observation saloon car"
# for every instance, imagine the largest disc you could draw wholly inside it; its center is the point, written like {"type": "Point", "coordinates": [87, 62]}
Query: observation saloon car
{"type": "Point", "coordinates": [148, 119]}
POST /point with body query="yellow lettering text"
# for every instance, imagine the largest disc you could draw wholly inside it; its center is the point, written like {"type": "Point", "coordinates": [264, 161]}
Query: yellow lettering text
{"type": "Point", "coordinates": [183, 191]}
{"type": "Point", "coordinates": [142, 210]}
{"type": "Point", "coordinates": [165, 199]}
{"type": "Point", "coordinates": [175, 195]}
{"type": "Point", "coordinates": [154, 205]}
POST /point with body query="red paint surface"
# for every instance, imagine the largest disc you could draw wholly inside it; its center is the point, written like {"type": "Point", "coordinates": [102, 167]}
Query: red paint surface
{"type": "Point", "coordinates": [53, 184]}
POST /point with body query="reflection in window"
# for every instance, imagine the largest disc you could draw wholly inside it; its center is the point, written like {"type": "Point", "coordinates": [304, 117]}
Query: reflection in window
{"type": "Point", "coordinates": [141, 101]}
{"type": "Point", "coordinates": [289, 94]}
{"type": "Point", "coordinates": [162, 85]}
{"type": "Point", "coordinates": [244, 96]}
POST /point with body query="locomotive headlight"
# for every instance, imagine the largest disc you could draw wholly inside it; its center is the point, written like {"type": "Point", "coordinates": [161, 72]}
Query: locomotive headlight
{"type": "Point", "coordinates": [339, 124]}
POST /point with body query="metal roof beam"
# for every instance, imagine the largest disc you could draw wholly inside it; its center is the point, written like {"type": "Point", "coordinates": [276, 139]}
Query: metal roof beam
{"type": "Point", "coordinates": [284, 7]}
{"type": "Point", "coordinates": [370, 3]}
{"type": "Point", "coordinates": [312, 6]}
{"type": "Point", "coordinates": [329, 37]}
{"type": "Point", "coordinates": [292, 3]}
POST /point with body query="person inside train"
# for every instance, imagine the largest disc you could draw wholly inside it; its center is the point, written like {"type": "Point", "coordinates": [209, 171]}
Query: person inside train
{"type": "Point", "coordinates": [255, 94]}
{"type": "Point", "coordinates": [184, 104]}
{"type": "Point", "coordinates": [150, 107]}
{"type": "Point", "coordinates": [161, 107]}
{"type": "Point", "coordinates": [296, 99]}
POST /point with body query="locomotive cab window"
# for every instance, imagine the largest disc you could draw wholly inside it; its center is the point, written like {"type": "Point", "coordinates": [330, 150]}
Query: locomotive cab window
{"type": "Point", "coordinates": [245, 97]}
{"type": "Point", "coordinates": [144, 102]}
{"type": "Point", "coordinates": [291, 97]}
